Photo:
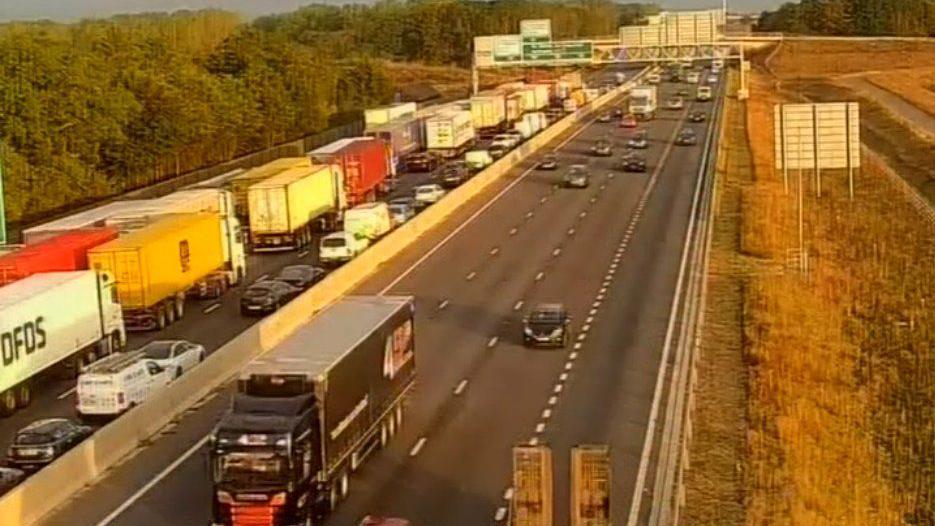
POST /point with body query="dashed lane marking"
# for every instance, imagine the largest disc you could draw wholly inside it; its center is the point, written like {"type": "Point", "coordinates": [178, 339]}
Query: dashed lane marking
{"type": "Point", "coordinates": [442, 304]}
{"type": "Point", "coordinates": [418, 447]}
{"type": "Point", "coordinates": [461, 386]}
{"type": "Point", "coordinates": [493, 341]}
{"type": "Point", "coordinates": [518, 305]}
{"type": "Point", "coordinates": [471, 276]}
{"type": "Point", "coordinates": [211, 308]}
{"type": "Point", "coordinates": [500, 515]}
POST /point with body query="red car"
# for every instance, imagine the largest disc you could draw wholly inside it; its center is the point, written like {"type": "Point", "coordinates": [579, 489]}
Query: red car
{"type": "Point", "coordinates": [628, 121]}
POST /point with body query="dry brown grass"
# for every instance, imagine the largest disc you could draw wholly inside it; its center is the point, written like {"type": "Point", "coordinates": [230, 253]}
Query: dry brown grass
{"type": "Point", "coordinates": [807, 59]}
{"type": "Point", "coordinates": [841, 364]}
{"type": "Point", "coordinates": [916, 86]}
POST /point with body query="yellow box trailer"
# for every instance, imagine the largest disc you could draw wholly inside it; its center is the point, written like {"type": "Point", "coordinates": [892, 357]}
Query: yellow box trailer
{"type": "Point", "coordinates": [156, 266]}
{"type": "Point", "coordinates": [284, 208]}
{"type": "Point", "coordinates": [240, 185]}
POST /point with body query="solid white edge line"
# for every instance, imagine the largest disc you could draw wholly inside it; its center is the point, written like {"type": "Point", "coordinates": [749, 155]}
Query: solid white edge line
{"type": "Point", "coordinates": [67, 393]}
{"type": "Point", "coordinates": [156, 480]}
{"type": "Point", "coordinates": [211, 308]}
{"type": "Point", "coordinates": [460, 388]}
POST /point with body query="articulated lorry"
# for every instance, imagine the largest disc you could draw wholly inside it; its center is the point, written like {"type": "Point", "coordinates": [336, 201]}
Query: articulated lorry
{"type": "Point", "coordinates": [285, 208]}
{"type": "Point", "coordinates": [364, 162]}
{"type": "Point", "coordinates": [240, 184]}
{"type": "Point", "coordinates": [308, 412]}
{"type": "Point", "coordinates": [63, 252]}
{"type": "Point", "coordinates": [55, 318]}
{"type": "Point", "coordinates": [450, 133]}
{"type": "Point", "coordinates": [643, 102]}
{"type": "Point", "coordinates": [157, 266]}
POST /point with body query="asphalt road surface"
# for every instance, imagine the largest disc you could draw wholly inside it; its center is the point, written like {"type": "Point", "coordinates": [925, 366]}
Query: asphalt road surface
{"type": "Point", "coordinates": [610, 252]}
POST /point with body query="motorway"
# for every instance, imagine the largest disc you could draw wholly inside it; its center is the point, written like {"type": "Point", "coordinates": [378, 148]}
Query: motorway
{"type": "Point", "coordinates": [609, 252]}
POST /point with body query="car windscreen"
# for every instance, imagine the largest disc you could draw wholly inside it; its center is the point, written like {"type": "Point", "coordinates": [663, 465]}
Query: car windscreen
{"type": "Point", "coordinates": [333, 242]}
{"type": "Point", "coordinates": [158, 350]}
{"type": "Point", "coordinates": [293, 274]}
{"type": "Point", "coordinates": [33, 438]}
{"type": "Point", "coordinates": [258, 290]}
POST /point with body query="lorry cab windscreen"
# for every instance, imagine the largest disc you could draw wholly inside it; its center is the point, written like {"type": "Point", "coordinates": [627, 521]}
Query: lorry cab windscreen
{"type": "Point", "coordinates": [255, 467]}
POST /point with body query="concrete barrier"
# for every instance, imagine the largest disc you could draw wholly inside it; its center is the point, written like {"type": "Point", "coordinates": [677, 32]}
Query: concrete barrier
{"type": "Point", "coordinates": [52, 486]}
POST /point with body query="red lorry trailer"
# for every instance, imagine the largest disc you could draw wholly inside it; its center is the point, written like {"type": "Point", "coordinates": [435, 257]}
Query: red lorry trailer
{"type": "Point", "coordinates": [62, 253]}
{"type": "Point", "coordinates": [364, 161]}
{"type": "Point", "coordinates": [308, 412]}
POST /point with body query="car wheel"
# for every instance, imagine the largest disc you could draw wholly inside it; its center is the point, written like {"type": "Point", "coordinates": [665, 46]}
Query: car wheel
{"type": "Point", "coordinates": [178, 373]}
{"type": "Point", "coordinates": [201, 357]}
{"type": "Point", "coordinates": [7, 402]}
{"type": "Point", "coordinates": [23, 395]}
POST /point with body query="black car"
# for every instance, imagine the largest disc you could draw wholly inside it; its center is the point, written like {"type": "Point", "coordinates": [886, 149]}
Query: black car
{"type": "Point", "coordinates": [43, 441]}
{"type": "Point", "coordinates": [547, 325]}
{"type": "Point", "coordinates": [697, 116]}
{"type": "Point", "coordinates": [602, 148]}
{"type": "Point", "coordinates": [421, 162]}
{"type": "Point", "coordinates": [548, 162]}
{"type": "Point", "coordinates": [638, 141]}
{"type": "Point", "coordinates": [454, 174]}
{"type": "Point", "coordinates": [301, 276]}
{"type": "Point", "coordinates": [9, 478]}
{"type": "Point", "coordinates": [576, 177]}
{"type": "Point", "coordinates": [497, 151]}
{"type": "Point", "coordinates": [633, 163]}
{"type": "Point", "coordinates": [686, 137]}
{"type": "Point", "coordinates": [683, 93]}
{"type": "Point", "coordinates": [618, 112]}
{"type": "Point", "coordinates": [267, 296]}
{"type": "Point", "coordinates": [604, 117]}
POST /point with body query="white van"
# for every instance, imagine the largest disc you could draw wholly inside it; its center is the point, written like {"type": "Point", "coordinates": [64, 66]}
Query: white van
{"type": "Point", "coordinates": [114, 384]}
{"type": "Point", "coordinates": [478, 159]}
{"type": "Point", "coordinates": [340, 247]}
{"type": "Point", "coordinates": [703, 93]}
{"type": "Point", "coordinates": [692, 78]}
{"type": "Point", "coordinates": [370, 220]}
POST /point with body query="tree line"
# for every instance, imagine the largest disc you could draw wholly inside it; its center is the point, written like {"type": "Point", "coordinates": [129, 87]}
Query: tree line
{"type": "Point", "coordinates": [852, 17]}
{"type": "Point", "coordinates": [96, 108]}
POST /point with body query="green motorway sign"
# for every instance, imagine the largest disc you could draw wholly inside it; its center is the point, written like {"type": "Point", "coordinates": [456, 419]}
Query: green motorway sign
{"type": "Point", "coordinates": [551, 51]}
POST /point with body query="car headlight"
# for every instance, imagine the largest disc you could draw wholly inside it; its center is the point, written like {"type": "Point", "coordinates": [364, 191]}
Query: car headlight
{"type": "Point", "coordinates": [47, 451]}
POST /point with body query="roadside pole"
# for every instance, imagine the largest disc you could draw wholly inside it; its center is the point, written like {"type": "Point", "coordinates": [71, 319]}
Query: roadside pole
{"type": "Point", "coordinates": [2, 201]}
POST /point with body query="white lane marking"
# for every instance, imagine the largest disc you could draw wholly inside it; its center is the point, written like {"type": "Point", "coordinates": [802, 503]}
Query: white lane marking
{"type": "Point", "coordinates": [553, 400]}
{"type": "Point", "coordinates": [500, 515]}
{"type": "Point", "coordinates": [417, 448]}
{"type": "Point", "coordinates": [519, 305]}
{"type": "Point", "coordinates": [544, 199]}
{"type": "Point", "coordinates": [508, 494]}
{"type": "Point", "coordinates": [600, 296]}
{"type": "Point", "coordinates": [540, 427]}
{"type": "Point", "coordinates": [557, 389]}
{"type": "Point", "coordinates": [589, 319]}
{"type": "Point", "coordinates": [471, 276]}
{"type": "Point", "coordinates": [533, 441]}
{"type": "Point", "coordinates": [592, 312]}
{"type": "Point", "coordinates": [574, 355]}
{"type": "Point", "coordinates": [262, 278]}
{"type": "Point", "coordinates": [460, 388]}
{"type": "Point", "coordinates": [211, 308]}
{"type": "Point", "coordinates": [586, 327]}
{"type": "Point", "coordinates": [593, 199]}
{"type": "Point", "coordinates": [494, 251]}
{"type": "Point", "coordinates": [603, 290]}
{"type": "Point", "coordinates": [571, 231]}
{"type": "Point", "coordinates": [513, 231]}
{"type": "Point", "coordinates": [402, 275]}
{"type": "Point", "coordinates": [443, 304]}
{"type": "Point", "coordinates": [493, 341]}
{"type": "Point", "coordinates": [302, 254]}
{"type": "Point", "coordinates": [67, 393]}
{"type": "Point", "coordinates": [556, 252]}
{"type": "Point", "coordinates": [613, 266]}
{"type": "Point", "coordinates": [564, 376]}
{"type": "Point", "coordinates": [540, 276]}
{"type": "Point", "coordinates": [582, 336]}
{"type": "Point", "coordinates": [529, 214]}
{"type": "Point", "coordinates": [568, 367]}
{"type": "Point", "coordinates": [546, 414]}
{"type": "Point", "coordinates": [596, 304]}
{"type": "Point", "coordinates": [582, 214]}
{"type": "Point", "coordinates": [152, 483]}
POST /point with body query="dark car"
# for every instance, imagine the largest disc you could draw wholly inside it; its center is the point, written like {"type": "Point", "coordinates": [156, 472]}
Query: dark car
{"type": "Point", "coordinates": [618, 112]}
{"type": "Point", "coordinates": [454, 174]}
{"type": "Point", "coordinates": [604, 117]}
{"type": "Point", "coordinates": [9, 478]}
{"type": "Point", "coordinates": [267, 296]}
{"type": "Point", "coordinates": [547, 325]}
{"type": "Point", "coordinates": [497, 151]}
{"type": "Point", "coordinates": [697, 116]}
{"type": "Point", "coordinates": [301, 276]}
{"type": "Point", "coordinates": [683, 93]}
{"type": "Point", "coordinates": [686, 137]}
{"type": "Point", "coordinates": [602, 148]}
{"type": "Point", "coordinates": [43, 441]}
{"type": "Point", "coordinates": [633, 163]}
{"type": "Point", "coordinates": [576, 177]}
{"type": "Point", "coordinates": [548, 162]}
{"type": "Point", "coordinates": [639, 140]}
{"type": "Point", "coordinates": [421, 162]}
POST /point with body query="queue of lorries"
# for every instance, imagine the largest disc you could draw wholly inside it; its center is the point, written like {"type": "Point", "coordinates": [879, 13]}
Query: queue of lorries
{"type": "Point", "coordinates": [78, 284]}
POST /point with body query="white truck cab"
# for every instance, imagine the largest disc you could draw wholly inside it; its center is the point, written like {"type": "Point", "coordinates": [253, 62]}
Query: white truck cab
{"type": "Point", "coordinates": [112, 385]}
{"type": "Point", "coordinates": [340, 247]}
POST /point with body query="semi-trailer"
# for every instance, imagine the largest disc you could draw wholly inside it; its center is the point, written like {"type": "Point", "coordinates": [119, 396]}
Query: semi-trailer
{"type": "Point", "coordinates": [240, 184]}
{"type": "Point", "coordinates": [403, 135]}
{"type": "Point", "coordinates": [488, 111]}
{"type": "Point", "coordinates": [92, 218]}
{"type": "Point", "coordinates": [286, 208]}
{"type": "Point", "coordinates": [364, 163]}
{"type": "Point", "coordinates": [63, 252]}
{"type": "Point", "coordinates": [643, 102]}
{"type": "Point", "coordinates": [386, 114]}
{"type": "Point", "coordinates": [449, 134]}
{"type": "Point", "coordinates": [50, 319]}
{"type": "Point", "coordinates": [308, 412]}
{"type": "Point", "coordinates": [156, 266]}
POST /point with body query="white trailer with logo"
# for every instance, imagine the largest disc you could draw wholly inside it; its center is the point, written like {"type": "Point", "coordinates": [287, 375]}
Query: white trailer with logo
{"type": "Point", "coordinates": [54, 318]}
{"type": "Point", "coordinates": [450, 134]}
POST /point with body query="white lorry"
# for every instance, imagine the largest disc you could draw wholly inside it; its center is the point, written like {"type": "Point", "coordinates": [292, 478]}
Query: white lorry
{"type": "Point", "coordinates": [643, 102]}
{"type": "Point", "coordinates": [117, 383]}
{"type": "Point", "coordinates": [54, 318]}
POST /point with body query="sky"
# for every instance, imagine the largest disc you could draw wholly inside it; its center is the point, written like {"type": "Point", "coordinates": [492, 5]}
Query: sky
{"type": "Point", "coordinates": [76, 9]}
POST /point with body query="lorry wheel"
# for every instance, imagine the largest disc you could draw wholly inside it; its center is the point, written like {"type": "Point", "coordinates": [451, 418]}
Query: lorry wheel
{"type": "Point", "coordinates": [23, 395]}
{"type": "Point", "coordinates": [178, 373]}
{"type": "Point", "coordinates": [384, 435]}
{"type": "Point", "coordinates": [241, 275]}
{"type": "Point", "coordinates": [333, 497]}
{"type": "Point", "coordinates": [161, 318]}
{"type": "Point", "coordinates": [179, 307]}
{"type": "Point", "coordinates": [344, 485]}
{"type": "Point", "coordinates": [399, 416]}
{"type": "Point", "coordinates": [7, 403]}
{"type": "Point", "coordinates": [169, 309]}
{"type": "Point", "coordinates": [391, 425]}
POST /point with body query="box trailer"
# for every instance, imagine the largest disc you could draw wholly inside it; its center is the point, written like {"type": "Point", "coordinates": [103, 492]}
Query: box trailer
{"type": "Point", "coordinates": [364, 163]}
{"type": "Point", "coordinates": [514, 106]}
{"type": "Point", "coordinates": [449, 134]}
{"type": "Point", "coordinates": [240, 184]}
{"type": "Point", "coordinates": [385, 114]}
{"type": "Point", "coordinates": [63, 252]}
{"type": "Point", "coordinates": [324, 398]}
{"type": "Point", "coordinates": [51, 319]}
{"type": "Point", "coordinates": [285, 209]}
{"type": "Point", "coordinates": [488, 111]}
{"type": "Point", "coordinates": [573, 79]}
{"type": "Point", "coordinates": [156, 266]}
{"type": "Point", "coordinates": [541, 94]}
{"type": "Point", "coordinates": [643, 102]}
{"type": "Point", "coordinates": [93, 218]}
{"type": "Point", "coordinates": [404, 136]}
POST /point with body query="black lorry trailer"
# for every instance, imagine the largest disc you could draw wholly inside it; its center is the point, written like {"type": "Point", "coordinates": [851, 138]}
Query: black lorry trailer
{"type": "Point", "coordinates": [308, 412]}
